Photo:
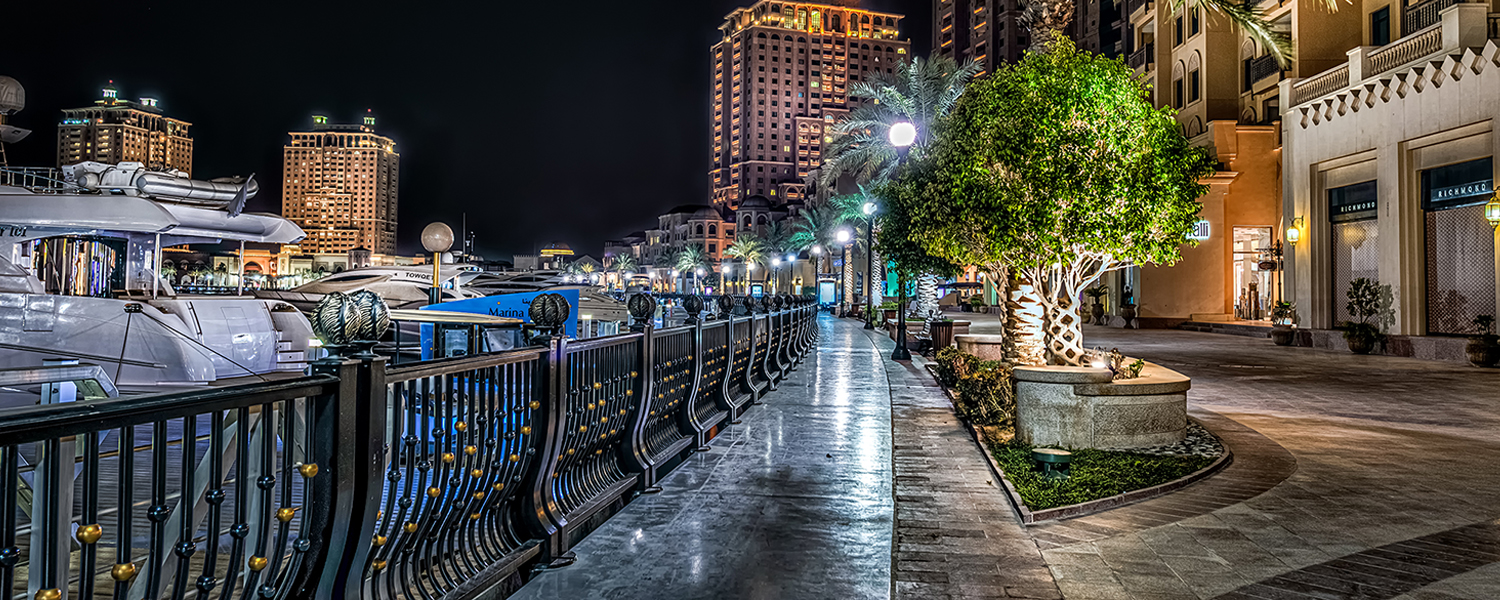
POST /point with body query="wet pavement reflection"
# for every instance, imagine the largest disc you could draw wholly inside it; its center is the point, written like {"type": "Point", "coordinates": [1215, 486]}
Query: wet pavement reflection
{"type": "Point", "coordinates": [794, 502]}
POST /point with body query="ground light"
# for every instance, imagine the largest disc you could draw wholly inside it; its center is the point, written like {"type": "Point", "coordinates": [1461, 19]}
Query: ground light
{"type": "Point", "coordinates": [1054, 463]}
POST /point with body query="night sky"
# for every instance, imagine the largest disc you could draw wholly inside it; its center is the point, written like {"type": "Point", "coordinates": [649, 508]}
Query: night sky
{"type": "Point", "coordinates": [577, 121]}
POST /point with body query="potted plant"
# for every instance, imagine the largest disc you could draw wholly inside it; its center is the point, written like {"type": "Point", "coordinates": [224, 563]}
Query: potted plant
{"type": "Point", "coordinates": [1097, 310]}
{"type": "Point", "coordinates": [1484, 346]}
{"type": "Point", "coordinates": [1283, 323]}
{"type": "Point", "coordinates": [977, 303]}
{"type": "Point", "coordinates": [1364, 303]}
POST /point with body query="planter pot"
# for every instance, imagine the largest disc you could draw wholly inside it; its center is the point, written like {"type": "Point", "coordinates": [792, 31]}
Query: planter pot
{"type": "Point", "coordinates": [1482, 354]}
{"type": "Point", "coordinates": [1098, 312]}
{"type": "Point", "coordinates": [887, 314]}
{"type": "Point", "coordinates": [1361, 345]}
{"type": "Point", "coordinates": [941, 333]}
{"type": "Point", "coordinates": [1283, 336]}
{"type": "Point", "coordinates": [1127, 312]}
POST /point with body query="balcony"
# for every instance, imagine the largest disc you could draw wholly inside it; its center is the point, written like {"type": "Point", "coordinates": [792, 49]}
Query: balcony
{"type": "Point", "coordinates": [1261, 68]}
{"type": "Point", "coordinates": [1455, 29]}
{"type": "Point", "coordinates": [1142, 58]}
{"type": "Point", "coordinates": [1424, 14]}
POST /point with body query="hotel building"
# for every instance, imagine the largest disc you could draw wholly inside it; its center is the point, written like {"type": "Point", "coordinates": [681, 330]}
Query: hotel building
{"type": "Point", "coordinates": [782, 72]}
{"type": "Point", "coordinates": [340, 186]}
{"type": "Point", "coordinates": [116, 130]}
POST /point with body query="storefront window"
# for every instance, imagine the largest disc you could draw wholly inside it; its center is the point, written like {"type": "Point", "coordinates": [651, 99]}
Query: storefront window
{"type": "Point", "coordinates": [1355, 239]}
{"type": "Point", "coordinates": [1460, 246]}
{"type": "Point", "coordinates": [1252, 285]}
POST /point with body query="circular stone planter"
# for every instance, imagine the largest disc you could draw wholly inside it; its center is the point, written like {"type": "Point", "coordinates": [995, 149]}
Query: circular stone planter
{"type": "Point", "coordinates": [986, 347]}
{"type": "Point", "coordinates": [1082, 407]}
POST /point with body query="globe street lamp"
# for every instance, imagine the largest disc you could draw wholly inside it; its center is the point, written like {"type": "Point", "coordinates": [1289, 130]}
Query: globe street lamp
{"type": "Point", "coordinates": [843, 236]}
{"type": "Point", "coordinates": [699, 273]}
{"type": "Point", "coordinates": [437, 238]}
{"type": "Point", "coordinates": [726, 271]}
{"type": "Point", "coordinates": [903, 134]}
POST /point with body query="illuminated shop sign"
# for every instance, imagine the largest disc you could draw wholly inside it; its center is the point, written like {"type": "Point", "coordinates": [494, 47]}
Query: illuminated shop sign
{"type": "Point", "coordinates": [1355, 202]}
{"type": "Point", "coordinates": [1458, 185]}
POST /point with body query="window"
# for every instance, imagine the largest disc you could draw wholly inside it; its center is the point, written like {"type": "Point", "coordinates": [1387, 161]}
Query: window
{"type": "Point", "coordinates": [1196, 23]}
{"type": "Point", "coordinates": [1177, 32]}
{"type": "Point", "coordinates": [1177, 93]}
{"type": "Point", "coordinates": [1380, 27]}
{"type": "Point", "coordinates": [1195, 87]}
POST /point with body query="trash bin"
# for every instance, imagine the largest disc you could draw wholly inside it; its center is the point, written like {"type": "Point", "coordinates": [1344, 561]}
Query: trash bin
{"type": "Point", "coordinates": [942, 334]}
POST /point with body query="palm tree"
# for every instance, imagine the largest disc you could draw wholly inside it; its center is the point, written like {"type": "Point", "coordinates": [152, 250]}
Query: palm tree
{"type": "Point", "coordinates": [622, 264]}
{"type": "Point", "coordinates": [920, 92]}
{"type": "Point", "coordinates": [1048, 18]}
{"type": "Point", "coordinates": [690, 259]}
{"type": "Point", "coordinates": [814, 227]}
{"type": "Point", "coordinates": [750, 250]}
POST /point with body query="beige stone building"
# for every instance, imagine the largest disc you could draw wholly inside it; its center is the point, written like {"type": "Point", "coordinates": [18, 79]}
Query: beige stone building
{"type": "Point", "coordinates": [1223, 85]}
{"type": "Point", "coordinates": [340, 185]}
{"type": "Point", "coordinates": [116, 130]}
{"type": "Point", "coordinates": [1388, 161]}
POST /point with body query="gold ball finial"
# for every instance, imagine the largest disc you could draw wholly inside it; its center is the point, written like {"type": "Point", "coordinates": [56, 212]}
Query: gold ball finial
{"type": "Point", "coordinates": [123, 572]}
{"type": "Point", "coordinates": [52, 594]}
{"type": "Point", "coordinates": [286, 514]}
{"type": "Point", "coordinates": [257, 563]}
{"type": "Point", "coordinates": [308, 470]}
{"type": "Point", "coordinates": [89, 534]}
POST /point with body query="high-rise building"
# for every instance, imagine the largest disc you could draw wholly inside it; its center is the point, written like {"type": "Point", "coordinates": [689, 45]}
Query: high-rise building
{"type": "Point", "coordinates": [782, 72]}
{"type": "Point", "coordinates": [339, 185]}
{"type": "Point", "coordinates": [995, 31]}
{"type": "Point", "coordinates": [116, 130]}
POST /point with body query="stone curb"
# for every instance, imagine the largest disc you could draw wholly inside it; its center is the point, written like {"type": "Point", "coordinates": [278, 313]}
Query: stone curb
{"type": "Point", "coordinates": [1029, 517]}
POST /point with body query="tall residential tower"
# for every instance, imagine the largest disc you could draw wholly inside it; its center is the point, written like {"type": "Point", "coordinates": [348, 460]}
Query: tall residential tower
{"type": "Point", "coordinates": [339, 185]}
{"type": "Point", "coordinates": [116, 130]}
{"type": "Point", "coordinates": [782, 72]}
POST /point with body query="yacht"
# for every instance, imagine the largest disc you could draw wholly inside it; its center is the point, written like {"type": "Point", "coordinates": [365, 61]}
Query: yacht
{"type": "Point", "coordinates": [79, 250]}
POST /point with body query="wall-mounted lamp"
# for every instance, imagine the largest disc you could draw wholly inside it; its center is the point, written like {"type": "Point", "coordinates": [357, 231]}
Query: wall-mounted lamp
{"type": "Point", "coordinates": [1294, 233]}
{"type": "Point", "coordinates": [1492, 211]}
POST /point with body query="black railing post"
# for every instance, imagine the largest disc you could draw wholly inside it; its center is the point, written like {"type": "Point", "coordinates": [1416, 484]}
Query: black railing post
{"type": "Point", "coordinates": [541, 510]}
{"type": "Point", "coordinates": [643, 387]}
{"type": "Point", "coordinates": [330, 470]}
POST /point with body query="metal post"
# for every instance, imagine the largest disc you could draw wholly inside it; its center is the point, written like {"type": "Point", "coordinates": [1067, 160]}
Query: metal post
{"type": "Point", "coordinates": [156, 266]}
{"type": "Point", "coordinates": [52, 504]}
{"type": "Point", "coordinates": [241, 278]}
{"type": "Point", "coordinates": [900, 353]}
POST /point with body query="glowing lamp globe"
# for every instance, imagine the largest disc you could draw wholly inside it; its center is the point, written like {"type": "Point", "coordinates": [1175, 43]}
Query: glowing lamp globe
{"type": "Point", "coordinates": [750, 267]}
{"type": "Point", "coordinates": [869, 208]}
{"type": "Point", "coordinates": [844, 236]}
{"type": "Point", "coordinates": [437, 237]}
{"type": "Point", "coordinates": [1492, 211]}
{"type": "Point", "coordinates": [1293, 235]}
{"type": "Point", "coordinates": [903, 134]}
{"type": "Point", "coordinates": [776, 262]}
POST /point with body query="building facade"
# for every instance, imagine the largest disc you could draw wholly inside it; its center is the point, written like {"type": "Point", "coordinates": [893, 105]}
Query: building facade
{"type": "Point", "coordinates": [1389, 159]}
{"type": "Point", "coordinates": [782, 72]}
{"type": "Point", "coordinates": [340, 185]}
{"type": "Point", "coordinates": [116, 130]}
{"type": "Point", "coordinates": [990, 31]}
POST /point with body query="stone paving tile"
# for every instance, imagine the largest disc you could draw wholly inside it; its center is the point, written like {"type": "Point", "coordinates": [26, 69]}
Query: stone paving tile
{"type": "Point", "coordinates": [956, 535]}
{"type": "Point", "coordinates": [1346, 468]}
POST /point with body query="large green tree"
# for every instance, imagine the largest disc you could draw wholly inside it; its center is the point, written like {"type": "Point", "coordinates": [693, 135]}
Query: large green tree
{"type": "Point", "coordinates": [1053, 172]}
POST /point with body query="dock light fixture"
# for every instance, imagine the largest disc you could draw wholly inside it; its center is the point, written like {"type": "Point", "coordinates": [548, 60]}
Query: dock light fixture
{"type": "Point", "coordinates": [1492, 211]}
{"type": "Point", "coordinates": [1294, 233]}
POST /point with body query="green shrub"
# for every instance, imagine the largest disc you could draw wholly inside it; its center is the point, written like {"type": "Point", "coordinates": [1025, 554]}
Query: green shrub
{"type": "Point", "coordinates": [986, 394]}
{"type": "Point", "coordinates": [1095, 474]}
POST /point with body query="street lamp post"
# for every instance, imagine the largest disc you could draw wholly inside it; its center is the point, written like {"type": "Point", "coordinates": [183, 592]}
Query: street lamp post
{"type": "Point", "coordinates": [437, 238]}
{"type": "Point", "coordinates": [749, 276]}
{"type": "Point", "coordinates": [817, 271]}
{"type": "Point", "coordinates": [697, 283]}
{"type": "Point", "coordinates": [902, 136]}
{"type": "Point", "coordinates": [791, 270]}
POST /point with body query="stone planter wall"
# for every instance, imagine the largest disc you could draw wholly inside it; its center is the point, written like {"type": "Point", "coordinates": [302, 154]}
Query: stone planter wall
{"type": "Point", "coordinates": [1081, 407]}
{"type": "Point", "coordinates": [987, 347]}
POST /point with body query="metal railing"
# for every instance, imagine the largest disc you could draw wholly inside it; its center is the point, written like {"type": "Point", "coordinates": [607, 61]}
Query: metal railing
{"type": "Point", "coordinates": [1492, 26]}
{"type": "Point", "coordinates": [1423, 15]}
{"type": "Point", "coordinates": [1262, 67]}
{"type": "Point", "coordinates": [1143, 57]}
{"type": "Point", "coordinates": [440, 479]}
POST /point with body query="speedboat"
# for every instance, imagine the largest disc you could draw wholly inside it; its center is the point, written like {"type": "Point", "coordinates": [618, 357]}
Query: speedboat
{"type": "Point", "coordinates": [79, 278]}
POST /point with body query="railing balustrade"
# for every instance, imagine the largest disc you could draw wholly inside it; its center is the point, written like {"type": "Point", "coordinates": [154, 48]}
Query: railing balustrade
{"type": "Point", "coordinates": [1326, 83]}
{"type": "Point", "coordinates": [1143, 57]}
{"type": "Point", "coordinates": [439, 479]}
{"type": "Point", "coordinates": [1406, 50]}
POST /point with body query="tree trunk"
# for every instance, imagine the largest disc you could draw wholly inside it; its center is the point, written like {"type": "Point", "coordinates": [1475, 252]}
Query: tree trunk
{"type": "Point", "coordinates": [927, 295]}
{"type": "Point", "coordinates": [1025, 324]}
{"type": "Point", "coordinates": [876, 282]}
{"type": "Point", "coordinates": [849, 288]}
{"type": "Point", "coordinates": [1064, 332]}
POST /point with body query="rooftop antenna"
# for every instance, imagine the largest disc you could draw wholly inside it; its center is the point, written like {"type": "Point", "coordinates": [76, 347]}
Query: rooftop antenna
{"type": "Point", "coordinates": [12, 100]}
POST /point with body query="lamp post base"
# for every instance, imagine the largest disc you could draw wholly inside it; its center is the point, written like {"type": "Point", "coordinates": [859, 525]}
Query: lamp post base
{"type": "Point", "coordinates": [901, 353]}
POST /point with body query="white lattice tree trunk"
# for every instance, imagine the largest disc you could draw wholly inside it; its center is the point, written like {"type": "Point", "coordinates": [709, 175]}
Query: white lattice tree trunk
{"type": "Point", "coordinates": [927, 295]}
{"type": "Point", "coordinates": [876, 281]}
{"type": "Point", "coordinates": [1025, 325]}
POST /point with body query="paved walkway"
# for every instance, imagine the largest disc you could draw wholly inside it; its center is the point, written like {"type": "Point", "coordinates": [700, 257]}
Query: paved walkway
{"type": "Point", "coordinates": [794, 502]}
{"type": "Point", "coordinates": [1392, 489]}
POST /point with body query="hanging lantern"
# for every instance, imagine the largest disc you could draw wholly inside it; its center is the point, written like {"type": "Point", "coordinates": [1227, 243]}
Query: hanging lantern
{"type": "Point", "coordinates": [1492, 211]}
{"type": "Point", "coordinates": [1294, 233]}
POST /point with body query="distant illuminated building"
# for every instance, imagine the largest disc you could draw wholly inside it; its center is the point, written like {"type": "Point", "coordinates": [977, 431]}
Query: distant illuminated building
{"type": "Point", "coordinates": [782, 72]}
{"type": "Point", "coordinates": [115, 130]}
{"type": "Point", "coordinates": [340, 186]}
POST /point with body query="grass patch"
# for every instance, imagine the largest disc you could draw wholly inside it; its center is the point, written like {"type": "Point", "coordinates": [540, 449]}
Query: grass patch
{"type": "Point", "coordinates": [1096, 474]}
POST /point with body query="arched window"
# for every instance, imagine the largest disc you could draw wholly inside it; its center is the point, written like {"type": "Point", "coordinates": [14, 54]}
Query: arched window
{"type": "Point", "coordinates": [776, 36]}
{"type": "Point", "coordinates": [761, 220]}
{"type": "Point", "coordinates": [877, 47]}
{"type": "Point", "coordinates": [747, 220]}
{"type": "Point", "coordinates": [864, 46]}
{"type": "Point", "coordinates": [713, 229]}
{"type": "Point", "coordinates": [699, 229]}
{"type": "Point", "coordinates": [866, 19]}
{"type": "Point", "coordinates": [802, 39]}
{"type": "Point", "coordinates": [762, 35]}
